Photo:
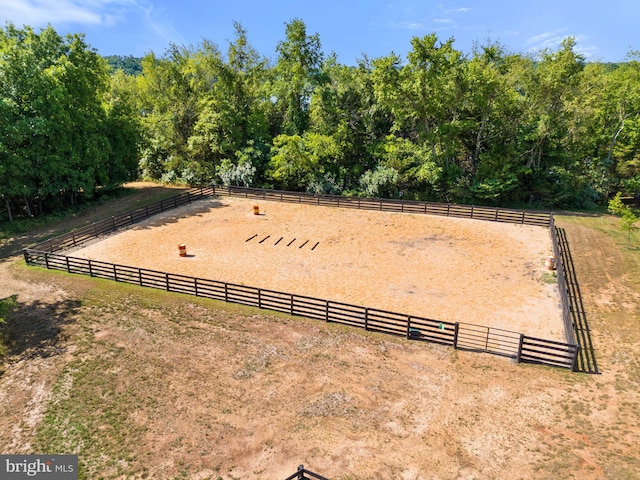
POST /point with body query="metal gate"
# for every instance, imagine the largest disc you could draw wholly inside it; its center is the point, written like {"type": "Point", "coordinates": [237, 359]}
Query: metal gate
{"type": "Point", "coordinates": [477, 338]}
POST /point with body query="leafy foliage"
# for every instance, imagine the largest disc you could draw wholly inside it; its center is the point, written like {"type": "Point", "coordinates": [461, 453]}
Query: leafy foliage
{"type": "Point", "coordinates": [492, 127]}
{"type": "Point", "coordinates": [64, 132]}
{"type": "Point", "coordinates": [129, 65]}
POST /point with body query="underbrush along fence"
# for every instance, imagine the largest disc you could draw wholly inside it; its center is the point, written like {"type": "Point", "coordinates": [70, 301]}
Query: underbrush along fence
{"type": "Point", "coordinates": [518, 346]}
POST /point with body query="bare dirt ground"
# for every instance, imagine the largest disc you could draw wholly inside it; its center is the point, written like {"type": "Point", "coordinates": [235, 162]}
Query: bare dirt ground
{"type": "Point", "coordinates": [149, 384]}
{"type": "Point", "coordinates": [449, 269]}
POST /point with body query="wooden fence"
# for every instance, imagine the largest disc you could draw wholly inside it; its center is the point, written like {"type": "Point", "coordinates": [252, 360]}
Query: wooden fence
{"type": "Point", "coordinates": [110, 225]}
{"type": "Point", "coordinates": [575, 314]}
{"type": "Point", "coordinates": [104, 227]}
{"type": "Point", "coordinates": [457, 335]}
{"type": "Point", "coordinates": [562, 284]}
{"type": "Point", "coordinates": [304, 474]}
{"type": "Point", "coordinates": [493, 214]}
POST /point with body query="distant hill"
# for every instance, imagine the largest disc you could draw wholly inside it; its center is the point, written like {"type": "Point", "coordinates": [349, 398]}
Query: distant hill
{"type": "Point", "coordinates": [130, 65]}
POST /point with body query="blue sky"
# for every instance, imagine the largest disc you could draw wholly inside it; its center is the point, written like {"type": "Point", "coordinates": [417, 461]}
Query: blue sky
{"type": "Point", "coordinates": [604, 30]}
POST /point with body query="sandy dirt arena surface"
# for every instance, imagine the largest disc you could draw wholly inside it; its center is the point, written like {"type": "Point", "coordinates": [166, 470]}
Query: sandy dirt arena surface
{"type": "Point", "coordinates": [451, 269]}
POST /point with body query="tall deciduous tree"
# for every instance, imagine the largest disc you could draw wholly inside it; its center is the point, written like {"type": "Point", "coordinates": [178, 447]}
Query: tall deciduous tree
{"type": "Point", "coordinates": [55, 134]}
{"type": "Point", "coordinates": [296, 75]}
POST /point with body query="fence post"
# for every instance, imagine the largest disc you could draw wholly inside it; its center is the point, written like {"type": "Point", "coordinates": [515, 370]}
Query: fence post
{"type": "Point", "coordinates": [456, 329]}
{"type": "Point", "coordinates": [520, 348]}
{"type": "Point", "coordinates": [68, 268]}
{"type": "Point", "coordinates": [195, 286]}
{"type": "Point", "coordinates": [574, 363]}
{"type": "Point", "coordinates": [486, 340]}
{"type": "Point", "coordinates": [292, 299]}
{"type": "Point", "coordinates": [366, 318]}
{"type": "Point", "coordinates": [408, 327]}
{"type": "Point", "coordinates": [259, 298]}
{"type": "Point", "coordinates": [113, 223]}
{"type": "Point", "coordinates": [115, 273]}
{"type": "Point", "coordinates": [326, 312]}
{"type": "Point", "coordinates": [46, 259]}
{"type": "Point", "coordinates": [226, 292]}
{"type": "Point", "coordinates": [90, 270]}
{"type": "Point", "coordinates": [166, 278]}
{"type": "Point", "coordinates": [140, 277]}
{"type": "Point", "coordinates": [73, 236]}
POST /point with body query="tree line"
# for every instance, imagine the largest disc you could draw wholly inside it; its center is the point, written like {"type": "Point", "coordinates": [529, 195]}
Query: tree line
{"type": "Point", "coordinates": [489, 127]}
{"type": "Point", "coordinates": [66, 130]}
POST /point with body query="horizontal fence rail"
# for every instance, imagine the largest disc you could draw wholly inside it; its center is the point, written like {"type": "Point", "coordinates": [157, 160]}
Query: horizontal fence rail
{"type": "Point", "coordinates": [457, 335]}
{"type": "Point", "coordinates": [104, 227]}
{"type": "Point", "coordinates": [107, 226]}
{"type": "Point", "coordinates": [547, 352]}
{"type": "Point", "coordinates": [391, 205]}
{"type": "Point", "coordinates": [563, 289]}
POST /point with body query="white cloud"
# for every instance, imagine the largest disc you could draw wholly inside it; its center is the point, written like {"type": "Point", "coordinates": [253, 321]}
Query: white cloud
{"type": "Point", "coordinates": [443, 20]}
{"type": "Point", "coordinates": [164, 29]}
{"type": "Point", "coordinates": [42, 12]}
{"type": "Point", "coordinates": [551, 40]}
{"type": "Point", "coordinates": [91, 13]}
{"type": "Point", "coordinates": [456, 10]}
{"type": "Point", "coordinates": [546, 38]}
{"type": "Point", "coordinates": [407, 25]}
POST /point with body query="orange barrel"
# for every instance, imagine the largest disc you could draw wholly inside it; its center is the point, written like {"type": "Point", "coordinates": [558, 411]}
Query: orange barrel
{"type": "Point", "coordinates": [550, 263]}
{"type": "Point", "coordinates": [182, 248]}
{"type": "Point", "coordinates": [256, 210]}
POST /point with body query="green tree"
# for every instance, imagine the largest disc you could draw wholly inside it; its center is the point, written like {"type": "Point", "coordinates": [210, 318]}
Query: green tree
{"type": "Point", "coordinates": [344, 107]}
{"type": "Point", "coordinates": [55, 146]}
{"type": "Point", "coordinates": [628, 223]}
{"type": "Point", "coordinates": [550, 86]}
{"type": "Point", "coordinates": [616, 206]}
{"type": "Point", "coordinates": [296, 74]}
{"type": "Point", "coordinates": [303, 162]}
{"type": "Point", "coordinates": [423, 96]}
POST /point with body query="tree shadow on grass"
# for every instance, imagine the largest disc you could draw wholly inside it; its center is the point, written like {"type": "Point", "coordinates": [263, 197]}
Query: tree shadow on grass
{"type": "Point", "coordinates": [34, 329]}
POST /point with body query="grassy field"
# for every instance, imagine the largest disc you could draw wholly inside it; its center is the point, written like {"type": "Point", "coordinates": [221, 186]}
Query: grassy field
{"type": "Point", "coordinates": [149, 384]}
